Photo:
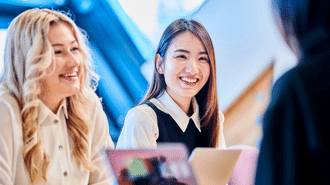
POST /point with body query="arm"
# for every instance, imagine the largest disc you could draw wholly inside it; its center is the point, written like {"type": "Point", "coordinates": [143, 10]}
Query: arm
{"type": "Point", "coordinates": [100, 139]}
{"type": "Point", "coordinates": [140, 129]}
{"type": "Point", "coordinates": [6, 146]}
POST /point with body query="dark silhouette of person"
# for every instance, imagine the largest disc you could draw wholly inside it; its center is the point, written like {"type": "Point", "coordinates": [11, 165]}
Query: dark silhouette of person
{"type": "Point", "coordinates": [296, 142]}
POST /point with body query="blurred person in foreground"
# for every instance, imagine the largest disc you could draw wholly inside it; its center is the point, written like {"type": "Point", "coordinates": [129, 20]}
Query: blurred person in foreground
{"type": "Point", "coordinates": [52, 123]}
{"type": "Point", "coordinates": [296, 144]}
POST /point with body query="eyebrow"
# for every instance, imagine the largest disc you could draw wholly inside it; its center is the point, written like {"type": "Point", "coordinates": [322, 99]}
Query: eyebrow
{"type": "Point", "coordinates": [60, 44]}
{"type": "Point", "coordinates": [186, 51]}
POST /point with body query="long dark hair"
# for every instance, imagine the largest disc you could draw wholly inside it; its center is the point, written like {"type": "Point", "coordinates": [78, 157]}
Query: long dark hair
{"type": "Point", "coordinates": [207, 97]}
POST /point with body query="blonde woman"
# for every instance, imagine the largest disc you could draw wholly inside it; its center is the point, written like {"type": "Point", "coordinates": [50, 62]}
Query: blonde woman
{"type": "Point", "coordinates": [52, 123]}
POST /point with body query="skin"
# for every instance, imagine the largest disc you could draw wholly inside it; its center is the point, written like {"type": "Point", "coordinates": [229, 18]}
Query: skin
{"type": "Point", "coordinates": [186, 69]}
{"type": "Point", "coordinates": [62, 78]}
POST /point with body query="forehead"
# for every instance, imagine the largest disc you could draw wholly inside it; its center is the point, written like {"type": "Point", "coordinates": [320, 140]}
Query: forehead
{"type": "Point", "coordinates": [187, 41]}
{"type": "Point", "coordinates": [61, 33]}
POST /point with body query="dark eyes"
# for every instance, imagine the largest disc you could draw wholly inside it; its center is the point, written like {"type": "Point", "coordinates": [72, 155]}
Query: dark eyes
{"type": "Point", "coordinates": [60, 51]}
{"type": "Point", "coordinates": [204, 58]}
{"type": "Point", "coordinates": [57, 52]}
{"type": "Point", "coordinates": [200, 58]}
{"type": "Point", "coordinates": [181, 56]}
{"type": "Point", "coordinates": [74, 49]}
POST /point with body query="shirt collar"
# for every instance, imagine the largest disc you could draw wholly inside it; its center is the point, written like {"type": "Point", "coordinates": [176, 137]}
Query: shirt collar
{"type": "Point", "coordinates": [44, 111]}
{"type": "Point", "coordinates": [167, 105]}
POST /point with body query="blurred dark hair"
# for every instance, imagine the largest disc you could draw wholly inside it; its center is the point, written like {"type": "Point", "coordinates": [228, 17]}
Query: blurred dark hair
{"type": "Point", "coordinates": [307, 20]}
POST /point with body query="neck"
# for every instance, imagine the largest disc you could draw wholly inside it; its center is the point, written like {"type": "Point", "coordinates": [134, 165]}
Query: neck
{"type": "Point", "coordinates": [52, 104]}
{"type": "Point", "coordinates": [185, 105]}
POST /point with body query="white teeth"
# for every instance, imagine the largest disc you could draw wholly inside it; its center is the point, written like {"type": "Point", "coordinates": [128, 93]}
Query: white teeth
{"type": "Point", "coordinates": [73, 74]}
{"type": "Point", "coordinates": [190, 80]}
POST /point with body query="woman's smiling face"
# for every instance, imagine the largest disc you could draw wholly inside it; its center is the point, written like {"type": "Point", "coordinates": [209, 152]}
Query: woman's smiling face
{"type": "Point", "coordinates": [185, 67]}
{"type": "Point", "coordinates": [63, 76]}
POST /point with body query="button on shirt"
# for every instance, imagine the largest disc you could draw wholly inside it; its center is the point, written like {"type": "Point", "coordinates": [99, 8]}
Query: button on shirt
{"type": "Point", "coordinates": [141, 129]}
{"type": "Point", "coordinates": [63, 168]}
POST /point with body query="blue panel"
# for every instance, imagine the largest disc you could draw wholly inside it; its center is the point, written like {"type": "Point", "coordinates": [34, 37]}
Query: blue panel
{"type": "Point", "coordinates": [33, 3]}
{"type": "Point", "coordinates": [114, 95]}
{"type": "Point", "coordinates": [134, 33]}
{"type": "Point", "coordinates": [4, 22]}
{"type": "Point", "coordinates": [106, 31]}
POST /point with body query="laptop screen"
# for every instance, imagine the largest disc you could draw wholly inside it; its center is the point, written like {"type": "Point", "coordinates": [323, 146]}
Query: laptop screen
{"type": "Point", "coordinates": [167, 164]}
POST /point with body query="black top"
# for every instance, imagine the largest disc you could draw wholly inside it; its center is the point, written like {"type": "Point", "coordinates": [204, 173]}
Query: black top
{"type": "Point", "coordinates": [296, 143]}
{"type": "Point", "coordinates": [169, 130]}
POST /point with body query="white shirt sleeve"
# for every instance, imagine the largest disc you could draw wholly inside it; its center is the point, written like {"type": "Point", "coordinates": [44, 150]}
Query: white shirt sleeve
{"type": "Point", "coordinates": [140, 129]}
{"type": "Point", "coordinates": [6, 145]}
{"type": "Point", "coordinates": [222, 142]}
{"type": "Point", "coordinates": [100, 140]}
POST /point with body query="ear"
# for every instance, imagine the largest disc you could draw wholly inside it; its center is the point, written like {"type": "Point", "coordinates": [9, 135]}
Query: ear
{"type": "Point", "coordinates": [159, 64]}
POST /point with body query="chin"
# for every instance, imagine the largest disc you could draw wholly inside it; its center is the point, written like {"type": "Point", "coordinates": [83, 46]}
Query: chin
{"type": "Point", "coordinates": [72, 91]}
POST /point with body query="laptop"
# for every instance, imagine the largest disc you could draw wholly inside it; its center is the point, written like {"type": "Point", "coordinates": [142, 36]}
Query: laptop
{"type": "Point", "coordinates": [213, 166]}
{"type": "Point", "coordinates": [168, 164]}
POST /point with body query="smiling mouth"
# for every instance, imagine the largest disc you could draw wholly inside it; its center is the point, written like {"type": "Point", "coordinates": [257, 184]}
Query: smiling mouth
{"type": "Point", "coordinates": [189, 81]}
{"type": "Point", "coordinates": [69, 75]}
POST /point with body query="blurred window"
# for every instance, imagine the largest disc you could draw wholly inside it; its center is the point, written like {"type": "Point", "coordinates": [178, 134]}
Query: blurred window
{"type": "Point", "coordinates": [153, 16]}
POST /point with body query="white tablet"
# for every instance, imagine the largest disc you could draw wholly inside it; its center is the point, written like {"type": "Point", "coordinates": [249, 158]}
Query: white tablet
{"type": "Point", "coordinates": [213, 166]}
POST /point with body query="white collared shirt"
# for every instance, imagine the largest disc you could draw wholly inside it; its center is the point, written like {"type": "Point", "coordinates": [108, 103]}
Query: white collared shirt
{"type": "Point", "coordinates": [63, 168]}
{"type": "Point", "coordinates": [141, 128]}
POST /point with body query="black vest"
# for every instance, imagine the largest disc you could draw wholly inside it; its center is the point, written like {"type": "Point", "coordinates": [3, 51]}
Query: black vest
{"type": "Point", "coordinates": [169, 130]}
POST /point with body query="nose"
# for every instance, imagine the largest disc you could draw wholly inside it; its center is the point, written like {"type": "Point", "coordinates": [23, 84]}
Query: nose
{"type": "Point", "coordinates": [192, 66]}
{"type": "Point", "coordinates": [72, 59]}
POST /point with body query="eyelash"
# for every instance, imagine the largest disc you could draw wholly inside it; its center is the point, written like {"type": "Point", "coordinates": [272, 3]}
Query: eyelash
{"type": "Point", "coordinates": [74, 49]}
{"type": "Point", "coordinates": [203, 58]}
{"type": "Point", "coordinates": [59, 51]}
{"type": "Point", "coordinates": [184, 57]}
{"type": "Point", "coordinates": [181, 56]}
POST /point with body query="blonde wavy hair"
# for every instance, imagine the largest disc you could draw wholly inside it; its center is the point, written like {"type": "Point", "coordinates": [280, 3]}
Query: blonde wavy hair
{"type": "Point", "coordinates": [27, 54]}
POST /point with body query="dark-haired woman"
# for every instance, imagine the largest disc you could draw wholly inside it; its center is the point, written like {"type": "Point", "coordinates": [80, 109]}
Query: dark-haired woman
{"type": "Point", "coordinates": [181, 104]}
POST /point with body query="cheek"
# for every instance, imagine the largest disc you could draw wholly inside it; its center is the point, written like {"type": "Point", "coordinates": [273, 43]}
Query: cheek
{"type": "Point", "coordinates": [173, 67]}
{"type": "Point", "coordinates": [45, 83]}
{"type": "Point", "coordinates": [206, 70]}
{"type": "Point", "coordinates": [79, 57]}
{"type": "Point", "coordinates": [82, 65]}
{"type": "Point", "coordinates": [49, 74]}
{"type": "Point", "coordinates": [50, 68]}
{"type": "Point", "coordinates": [53, 67]}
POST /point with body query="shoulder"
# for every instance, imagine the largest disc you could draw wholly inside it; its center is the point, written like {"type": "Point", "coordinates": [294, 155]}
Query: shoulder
{"type": "Point", "coordinates": [8, 102]}
{"type": "Point", "coordinates": [309, 75]}
{"type": "Point", "coordinates": [141, 117]}
{"type": "Point", "coordinates": [92, 97]}
{"type": "Point", "coordinates": [221, 117]}
{"type": "Point", "coordinates": [94, 102]}
{"type": "Point", "coordinates": [10, 122]}
{"type": "Point", "coordinates": [8, 112]}
{"type": "Point", "coordinates": [141, 112]}
{"type": "Point", "coordinates": [288, 84]}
